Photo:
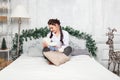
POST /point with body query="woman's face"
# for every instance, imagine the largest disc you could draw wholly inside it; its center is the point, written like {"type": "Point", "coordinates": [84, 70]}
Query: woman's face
{"type": "Point", "coordinates": [54, 28]}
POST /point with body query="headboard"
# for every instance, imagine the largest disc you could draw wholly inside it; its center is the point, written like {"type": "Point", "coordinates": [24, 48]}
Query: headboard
{"type": "Point", "coordinates": [38, 43]}
{"type": "Point", "coordinates": [31, 37]}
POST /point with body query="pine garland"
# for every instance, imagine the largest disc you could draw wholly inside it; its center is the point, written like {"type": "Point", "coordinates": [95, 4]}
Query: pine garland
{"type": "Point", "coordinates": [43, 31]}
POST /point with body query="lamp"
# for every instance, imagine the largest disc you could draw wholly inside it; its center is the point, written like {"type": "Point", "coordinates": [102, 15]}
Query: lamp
{"type": "Point", "coordinates": [19, 13]}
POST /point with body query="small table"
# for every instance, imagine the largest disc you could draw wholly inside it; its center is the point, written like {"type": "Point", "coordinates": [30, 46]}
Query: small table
{"type": "Point", "coordinates": [6, 50]}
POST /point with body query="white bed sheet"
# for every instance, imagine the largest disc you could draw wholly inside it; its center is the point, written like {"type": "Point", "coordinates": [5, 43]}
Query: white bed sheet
{"type": "Point", "coordinates": [36, 68]}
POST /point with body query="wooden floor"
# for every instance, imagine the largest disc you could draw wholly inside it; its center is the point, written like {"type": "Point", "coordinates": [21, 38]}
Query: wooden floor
{"type": "Point", "coordinates": [4, 63]}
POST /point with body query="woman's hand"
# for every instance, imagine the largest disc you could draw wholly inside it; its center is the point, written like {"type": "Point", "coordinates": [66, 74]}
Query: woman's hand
{"type": "Point", "coordinates": [45, 44]}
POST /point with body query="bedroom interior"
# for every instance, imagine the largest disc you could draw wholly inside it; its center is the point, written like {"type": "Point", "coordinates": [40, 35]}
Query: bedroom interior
{"type": "Point", "coordinates": [86, 21]}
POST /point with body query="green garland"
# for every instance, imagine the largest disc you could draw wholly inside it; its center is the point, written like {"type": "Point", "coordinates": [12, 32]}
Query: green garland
{"type": "Point", "coordinates": [42, 32]}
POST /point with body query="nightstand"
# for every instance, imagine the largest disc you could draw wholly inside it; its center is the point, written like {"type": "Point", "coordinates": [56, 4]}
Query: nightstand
{"type": "Point", "coordinates": [6, 50]}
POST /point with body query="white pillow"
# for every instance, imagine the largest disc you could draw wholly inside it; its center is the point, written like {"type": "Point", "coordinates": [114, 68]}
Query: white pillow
{"type": "Point", "coordinates": [77, 43]}
{"type": "Point", "coordinates": [34, 52]}
{"type": "Point", "coordinates": [33, 47]}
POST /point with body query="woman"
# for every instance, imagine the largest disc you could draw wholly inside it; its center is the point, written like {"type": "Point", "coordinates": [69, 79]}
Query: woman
{"type": "Point", "coordinates": [59, 37]}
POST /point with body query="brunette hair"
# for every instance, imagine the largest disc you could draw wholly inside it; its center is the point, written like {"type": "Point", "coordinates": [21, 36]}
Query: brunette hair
{"type": "Point", "coordinates": [54, 22]}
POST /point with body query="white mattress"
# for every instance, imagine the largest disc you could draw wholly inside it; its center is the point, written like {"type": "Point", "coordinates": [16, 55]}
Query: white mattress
{"type": "Point", "coordinates": [36, 68]}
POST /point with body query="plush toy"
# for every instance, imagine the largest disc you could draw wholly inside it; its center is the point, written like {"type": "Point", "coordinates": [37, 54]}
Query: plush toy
{"type": "Point", "coordinates": [52, 45]}
{"type": "Point", "coordinates": [48, 41]}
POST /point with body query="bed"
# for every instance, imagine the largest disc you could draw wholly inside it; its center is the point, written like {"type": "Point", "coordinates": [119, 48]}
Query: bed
{"type": "Point", "coordinates": [29, 67]}
{"type": "Point", "coordinates": [81, 67]}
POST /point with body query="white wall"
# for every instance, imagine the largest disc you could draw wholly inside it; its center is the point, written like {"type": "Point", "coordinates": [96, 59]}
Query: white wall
{"type": "Point", "coordinates": [75, 13]}
{"type": "Point", "coordinates": [91, 16]}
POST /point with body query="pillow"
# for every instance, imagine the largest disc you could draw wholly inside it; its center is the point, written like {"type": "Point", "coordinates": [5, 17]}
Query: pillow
{"type": "Point", "coordinates": [74, 43]}
{"type": "Point", "coordinates": [34, 52]}
{"type": "Point", "coordinates": [31, 43]}
{"type": "Point", "coordinates": [76, 52]}
{"type": "Point", "coordinates": [57, 58]}
{"type": "Point", "coordinates": [33, 47]}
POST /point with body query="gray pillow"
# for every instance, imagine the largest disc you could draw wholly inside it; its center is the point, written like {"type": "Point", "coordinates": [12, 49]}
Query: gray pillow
{"type": "Point", "coordinates": [76, 52]}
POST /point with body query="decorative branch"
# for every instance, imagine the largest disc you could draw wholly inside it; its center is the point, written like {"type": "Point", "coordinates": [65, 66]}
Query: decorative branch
{"type": "Point", "coordinates": [43, 31]}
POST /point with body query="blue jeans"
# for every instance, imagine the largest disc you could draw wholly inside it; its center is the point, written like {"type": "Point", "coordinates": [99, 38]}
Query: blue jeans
{"type": "Point", "coordinates": [52, 48]}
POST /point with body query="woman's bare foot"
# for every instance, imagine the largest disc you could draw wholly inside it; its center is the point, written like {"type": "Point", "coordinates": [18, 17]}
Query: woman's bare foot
{"type": "Point", "coordinates": [50, 63]}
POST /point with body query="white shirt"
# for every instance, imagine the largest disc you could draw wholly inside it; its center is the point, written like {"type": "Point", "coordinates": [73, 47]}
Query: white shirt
{"type": "Point", "coordinates": [57, 39]}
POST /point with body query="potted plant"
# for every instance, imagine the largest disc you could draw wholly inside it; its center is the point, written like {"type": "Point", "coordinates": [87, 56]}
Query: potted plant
{"type": "Point", "coordinates": [3, 46]}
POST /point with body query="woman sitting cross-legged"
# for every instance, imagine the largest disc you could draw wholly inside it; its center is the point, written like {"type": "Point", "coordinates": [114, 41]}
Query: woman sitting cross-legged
{"type": "Point", "coordinates": [57, 39]}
